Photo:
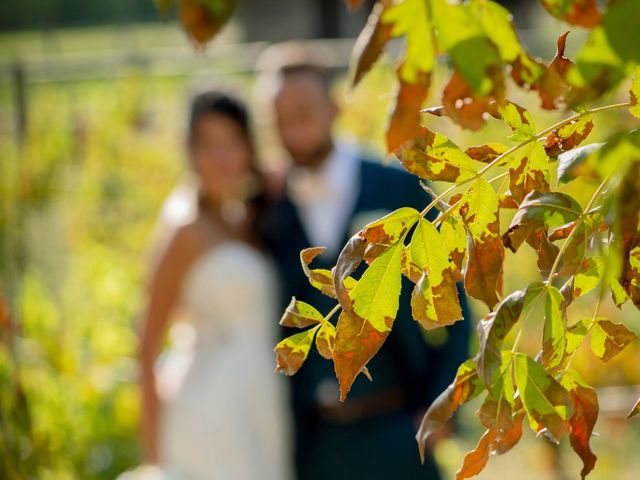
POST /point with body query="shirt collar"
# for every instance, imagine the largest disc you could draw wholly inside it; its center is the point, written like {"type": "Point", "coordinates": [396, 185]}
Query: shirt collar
{"type": "Point", "coordinates": [335, 176]}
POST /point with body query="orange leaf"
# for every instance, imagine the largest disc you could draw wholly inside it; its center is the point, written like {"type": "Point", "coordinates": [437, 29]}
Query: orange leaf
{"type": "Point", "coordinates": [584, 13]}
{"type": "Point", "coordinates": [370, 44]}
{"type": "Point", "coordinates": [203, 22]}
{"type": "Point", "coordinates": [585, 415]}
{"type": "Point", "coordinates": [404, 123]}
{"type": "Point", "coordinates": [464, 106]}
{"type": "Point", "coordinates": [475, 461]}
{"type": "Point", "coordinates": [357, 341]}
{"type": "Point", "coordinates": [465, 387]}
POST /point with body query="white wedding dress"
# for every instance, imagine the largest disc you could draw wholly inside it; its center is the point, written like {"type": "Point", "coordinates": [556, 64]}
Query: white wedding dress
{"type": "Point", "coordinates": [226, 417]}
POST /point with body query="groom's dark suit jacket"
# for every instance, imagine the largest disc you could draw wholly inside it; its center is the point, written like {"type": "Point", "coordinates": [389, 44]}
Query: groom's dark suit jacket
{"type": "Point", "coordinates": [372, 435]}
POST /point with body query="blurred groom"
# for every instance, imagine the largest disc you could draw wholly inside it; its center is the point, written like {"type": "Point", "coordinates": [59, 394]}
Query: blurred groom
{"type": "Point", "coordinates": [331, 191]}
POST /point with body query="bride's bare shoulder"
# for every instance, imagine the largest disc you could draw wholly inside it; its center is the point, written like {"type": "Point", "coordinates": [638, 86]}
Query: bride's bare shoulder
{"type": "Point", "coordinates": [195, 237]}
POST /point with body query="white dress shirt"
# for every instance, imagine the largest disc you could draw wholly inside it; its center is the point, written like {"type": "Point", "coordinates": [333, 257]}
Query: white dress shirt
{"type": "Point", "coordinates": [325, 197]}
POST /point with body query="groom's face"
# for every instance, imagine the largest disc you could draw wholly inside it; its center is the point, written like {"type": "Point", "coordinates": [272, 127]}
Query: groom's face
{"type": "Point", "coordinates": [305, 114]}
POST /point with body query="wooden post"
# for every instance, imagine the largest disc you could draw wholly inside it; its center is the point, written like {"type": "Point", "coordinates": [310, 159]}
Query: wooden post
{"type": "Point", "coordinates": [20, 96]}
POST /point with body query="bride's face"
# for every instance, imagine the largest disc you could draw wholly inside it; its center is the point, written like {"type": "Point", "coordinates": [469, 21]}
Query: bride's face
{"type": "Point", "coordinates": [220, 155]}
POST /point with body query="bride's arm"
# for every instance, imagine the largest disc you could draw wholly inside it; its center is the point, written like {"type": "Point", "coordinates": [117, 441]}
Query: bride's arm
{"type": "Point", "coordinates": [163, 289]}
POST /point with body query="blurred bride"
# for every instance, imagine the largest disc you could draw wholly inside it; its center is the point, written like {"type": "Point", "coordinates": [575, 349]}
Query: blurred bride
{"type": "Point", "coordinates": [215, 410]}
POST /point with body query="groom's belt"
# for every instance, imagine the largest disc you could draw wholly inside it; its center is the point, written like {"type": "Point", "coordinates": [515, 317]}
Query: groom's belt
{"type": "Point", "coordinates": [361, 408]}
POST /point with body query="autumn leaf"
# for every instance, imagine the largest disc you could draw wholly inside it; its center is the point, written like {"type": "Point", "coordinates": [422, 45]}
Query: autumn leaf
{"type": "Point", "coordinates": [405, 119]}
{"type": "Point", "coordinates": [584, 13]}
{"type": "Point", "coordinates": [604, 60]}
{"type": "Point", "coordinates": [433, 156]}
{"type": "Point", "coordinates": [410, 18]}
{"type": "Point", "coordinates": [465, 107]}
{"type": "Point", "coordinates": [608, 339]}
{"type": "Point", "coordinates": [552, 85]}
{"type": "Point", "coordinates": [478, 208]}
{"type": "Point", "coordinates": [583, 419]}
{"type": "Point", "coordinates": [539, 211]}
{"type": "Point", "coordinates": [370, 43]}
{"type": "Point", "coordinates": [320, 278]}
{"type": "Point", "coordinates": [354, 4]}
{"type": "Point", "coordinates": [356, 342]}
{"type": "Point", "coordinates": [475, 461]}
{"type": "Point", "coordinates": [569, 136]}
{"type": "Point", "coordinates": [543, 398]}
{"type": "Point", "coordinates": [517, 118]}
{"type": "Point", "coordinates": [384, 232]}
{"type": "Point", "coordinates": [486, 153]}
{"type": "Point", "coordinates": [349, 259]}
{"type": "Point", "coordinates": [528, 171]}
{"type": "Point", "coordinates": [202, 20]}
{"type": "Point", "coordinates": [326, 339]}
{"type": "Point", "coordinates": [465, 387]}
{"type": "Point", "coordinates": [434, 301]}
{"type": "Point", "coordinates": [300, 314]}
{"type": "Point", "coordinates": [293, 351]}
{"type": "Point", "coordinates": [635, 410]}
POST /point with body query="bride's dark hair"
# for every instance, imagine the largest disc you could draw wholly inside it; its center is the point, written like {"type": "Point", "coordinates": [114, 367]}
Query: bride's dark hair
{"type": "Point", "coordinates": [218, 102]}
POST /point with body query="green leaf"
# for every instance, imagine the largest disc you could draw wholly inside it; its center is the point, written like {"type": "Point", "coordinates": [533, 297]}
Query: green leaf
{"type": "Point", "coordinates": [375, 296]}
{"type": "Point", "coordinates": [497, 24]}
{"type": "Point", "coordinates": [454, 238]}
{"type": "Point", "coordinates": [494, 328]}
{"type": "Point", "coordinates": [554, 339]}
{"type": "Point", "coordinates": [543, 398]}
{"type": "Point", "coordinates": [433, 156]}
{"type": "Point", "coordinates": [576, 334]}
{"type": "Point", "coordinates": [434, 301]}
{"type": "Point", "coordinates": [293, 351]}
{"type": "Point", "coordinates": [608, 339]}
{"type": "Point", "coordinates": [519, 120]}
{"type": "Point", "coordinates": [609, 52]}
{"type": "Point", "coordinates": [410, 18]}
{"type": "Point", "coordinates": [588, 277]}
{"type": "Point", "coordinates": [478, 208]}
{"type": "Point", "coordinates": [300, 314]}
{"type": "Point", "coordinates": [573, 164]}
{"type": "Point", "coordinates": [461, 35]}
